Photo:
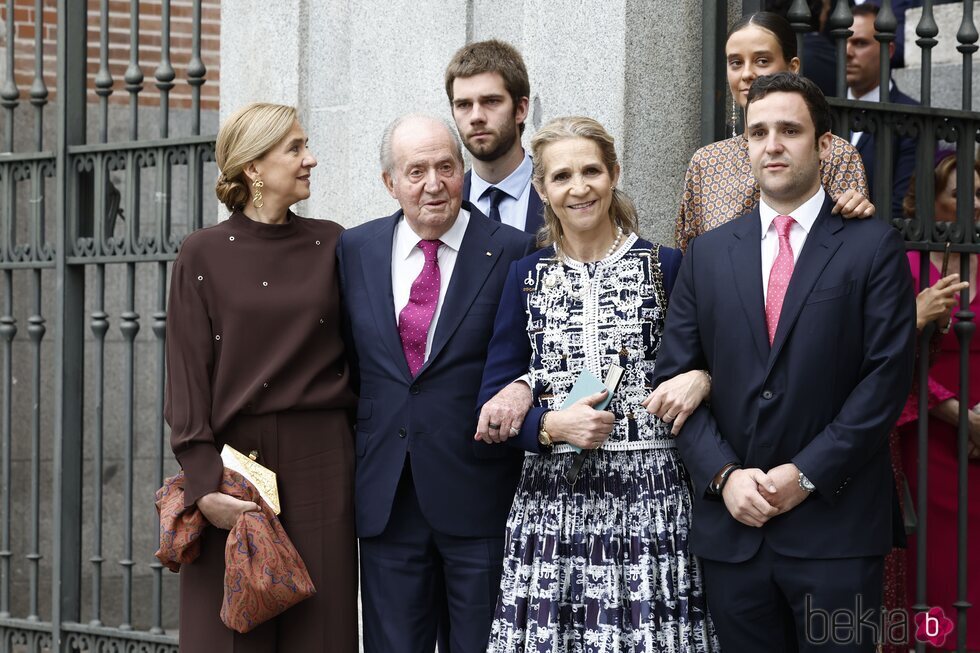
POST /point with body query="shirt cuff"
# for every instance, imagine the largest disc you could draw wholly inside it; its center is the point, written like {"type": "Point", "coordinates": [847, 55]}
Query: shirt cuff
{"type": "Point", "coordinates": [203, 469]}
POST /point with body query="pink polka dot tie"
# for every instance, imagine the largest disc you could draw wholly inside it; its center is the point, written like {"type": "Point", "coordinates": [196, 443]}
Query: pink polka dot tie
{"type": "Point", "coordinates": [779, 276]}
{"type": "Point", "coordinates": [415, 319]}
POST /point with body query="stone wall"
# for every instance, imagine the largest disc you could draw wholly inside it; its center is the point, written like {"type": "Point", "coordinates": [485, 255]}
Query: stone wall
{"type": "Point", "coordinates": [635, 65]}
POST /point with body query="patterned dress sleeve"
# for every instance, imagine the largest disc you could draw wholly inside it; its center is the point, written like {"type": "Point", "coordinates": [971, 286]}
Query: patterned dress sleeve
{"type": "Point", "coordinates": [843, 170]}
{"type": "Point", "coordinates": [190, 361]}
{"type": "Point", "coordinates": [686, 226]}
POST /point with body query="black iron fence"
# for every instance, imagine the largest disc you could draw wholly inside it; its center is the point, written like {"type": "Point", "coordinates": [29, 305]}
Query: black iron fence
{"type": "Point", "coordinates": [88, 227]}
{"type": "Point", "coordinates": [930, 127]}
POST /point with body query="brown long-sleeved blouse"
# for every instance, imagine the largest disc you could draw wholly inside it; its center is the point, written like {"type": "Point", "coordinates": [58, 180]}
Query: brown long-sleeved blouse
{"type": "Point", "coordinates": [253, 327]}
{"type": "Point", "coordinates": [719, 185]}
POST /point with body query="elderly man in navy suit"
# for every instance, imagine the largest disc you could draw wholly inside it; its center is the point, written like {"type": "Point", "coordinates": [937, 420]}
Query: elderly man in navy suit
{"type": "Point", "coordinates": [420, 290]}
{"type": "Point", "coordinates": [805, 322]}
{"type": "Point", "coordinates": [488, 90]}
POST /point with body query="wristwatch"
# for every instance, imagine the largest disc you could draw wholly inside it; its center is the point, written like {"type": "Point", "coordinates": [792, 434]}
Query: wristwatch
{"type": "Point", "coordinates": [544, 438]}
{"type": "Point", "coordinates": [806, 485]}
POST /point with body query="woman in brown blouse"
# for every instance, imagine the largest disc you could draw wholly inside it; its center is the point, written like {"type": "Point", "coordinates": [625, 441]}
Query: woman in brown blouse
{"type": "Point", "coordinates": [719, 186]}
{"type": "Point", "coordinates": [255, 359]}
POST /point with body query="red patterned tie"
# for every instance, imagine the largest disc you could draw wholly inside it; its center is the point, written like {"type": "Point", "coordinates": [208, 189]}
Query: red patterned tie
{"type": "Point", "coordinates": [415, 319]}
{"type": "Point", "coordinates": [779, 276]}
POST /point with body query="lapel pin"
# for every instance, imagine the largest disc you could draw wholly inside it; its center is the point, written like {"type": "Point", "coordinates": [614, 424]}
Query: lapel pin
{"type": "Point", "coordinates": [489, 253]}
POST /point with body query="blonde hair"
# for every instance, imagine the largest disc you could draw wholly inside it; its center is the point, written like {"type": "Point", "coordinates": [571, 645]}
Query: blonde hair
{"type": "Point", "coordinates": [247, 135]}
{"type": "Point", "coordinates": [622, 210]}
{"type": "Point", "coordinates": [945, 169]}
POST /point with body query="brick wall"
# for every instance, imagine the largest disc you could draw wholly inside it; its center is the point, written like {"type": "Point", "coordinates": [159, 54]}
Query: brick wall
{"type": "Point", "coordinates": [26, 22]}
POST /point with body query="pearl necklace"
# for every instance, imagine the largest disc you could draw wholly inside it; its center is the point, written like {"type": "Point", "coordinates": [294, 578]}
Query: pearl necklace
{"type": "Point", "coordinates": [615, 245]}
{"type": "Point", "coordinates": [609, 252]}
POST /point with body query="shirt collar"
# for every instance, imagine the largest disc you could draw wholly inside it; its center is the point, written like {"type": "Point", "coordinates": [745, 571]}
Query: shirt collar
{"type": "Point", "coordinates": [804, 215]}
{"type": "Point", "coordinates": [514, 184]}
{"type": "Point", "coordinates": [874, 95]}
{"type": "Point", "coordinates": [406, 239]}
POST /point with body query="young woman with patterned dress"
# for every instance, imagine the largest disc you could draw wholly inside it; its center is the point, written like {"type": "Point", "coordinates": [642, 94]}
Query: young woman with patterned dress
{"type": "Point", "coordinates": [601, 566]}
{"type": "Point", "coordinates": [719, 185]}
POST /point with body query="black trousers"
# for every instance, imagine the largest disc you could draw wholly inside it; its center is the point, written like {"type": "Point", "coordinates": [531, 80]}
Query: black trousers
{"type": "Point", "coordinates": [415, 580]}
{"type": "Point", "coordinates": [780, 604]}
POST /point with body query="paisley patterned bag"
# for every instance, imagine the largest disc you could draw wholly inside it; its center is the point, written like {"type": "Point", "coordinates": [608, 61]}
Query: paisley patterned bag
{"type": "Point", "coordinates": [264, 574]}
{"type": "Point", "coordinates": [180, 528]}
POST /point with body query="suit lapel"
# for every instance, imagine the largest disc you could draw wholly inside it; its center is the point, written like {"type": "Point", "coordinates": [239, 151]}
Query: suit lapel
{"type": "Point", "coordinates": [821, 245]}
{"type": "Point", "coordinates": [746, 256]}
{"type": "Point", "coordinates": [376, 266]}
{"type": "Point", "coordinates": [535, 217]}
{"type": "Point", "coordinates": [477, 256]}
{"type": "Point", "coordinates": [862, 146]}
{"type": "Point", "coordinates": [467, 183]}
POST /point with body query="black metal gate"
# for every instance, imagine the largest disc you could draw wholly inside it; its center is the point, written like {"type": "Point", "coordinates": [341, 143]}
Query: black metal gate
{"type": "Point", "coordinates": [88, 227]}
{"type": "Point", "coordinates": [928, 125]}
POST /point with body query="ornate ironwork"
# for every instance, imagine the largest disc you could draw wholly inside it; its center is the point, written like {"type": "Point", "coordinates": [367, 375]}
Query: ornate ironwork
{"type": "Point", "coordinates": [112, 225]}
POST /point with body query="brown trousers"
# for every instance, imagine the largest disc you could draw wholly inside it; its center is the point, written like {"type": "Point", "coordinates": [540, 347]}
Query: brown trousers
{"type": "Point", "coordinates": [312, 455]}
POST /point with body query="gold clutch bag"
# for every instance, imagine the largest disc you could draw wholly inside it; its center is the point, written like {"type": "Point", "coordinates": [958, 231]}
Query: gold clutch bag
{"type": "Point", "coordinates": [263, 478]}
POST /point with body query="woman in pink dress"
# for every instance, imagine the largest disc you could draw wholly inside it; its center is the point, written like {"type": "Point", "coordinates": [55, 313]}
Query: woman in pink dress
{"type": "Point", "coordinates": [944, 406]}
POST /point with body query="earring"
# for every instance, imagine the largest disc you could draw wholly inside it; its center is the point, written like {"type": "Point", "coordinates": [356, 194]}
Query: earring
{"type": "Point", "coordinates": [257, 197]}
{"type": "Point", "coordinates": [734, 117]}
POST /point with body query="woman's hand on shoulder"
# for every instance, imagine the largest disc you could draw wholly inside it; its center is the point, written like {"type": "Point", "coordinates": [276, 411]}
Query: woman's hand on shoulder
{"type": "Point", "coordinates": [852, 204]}
{"type": "Point", "coordinates": [675, 399]}
{"type": "Point", "coordinates": [581, 424]}
{"type": "Point", "coordinates": [223, 510]}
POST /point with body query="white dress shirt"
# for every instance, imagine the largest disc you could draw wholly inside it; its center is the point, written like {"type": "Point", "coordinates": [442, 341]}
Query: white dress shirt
{"type": "Point", "coordinates": [517, 186]}
{"type": "Point", "coordinates": [407, 261]}
{"type": "Point", "coordinates": [804, 215]}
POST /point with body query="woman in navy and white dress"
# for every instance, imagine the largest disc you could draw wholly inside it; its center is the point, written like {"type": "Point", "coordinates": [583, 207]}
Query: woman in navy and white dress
{"type": "Point", "coordinates": [602, 566]}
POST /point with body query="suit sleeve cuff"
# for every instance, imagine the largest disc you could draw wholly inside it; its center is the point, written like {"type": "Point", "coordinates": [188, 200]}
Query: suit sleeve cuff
{"type": "Point", "coordinates": [527, 439]}
{"type": "Point", "coordinates": [828, 486]}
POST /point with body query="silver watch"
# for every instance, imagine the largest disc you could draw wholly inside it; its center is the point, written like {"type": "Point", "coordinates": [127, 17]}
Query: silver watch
{"type": "Point", "coordinates": [805, 484]}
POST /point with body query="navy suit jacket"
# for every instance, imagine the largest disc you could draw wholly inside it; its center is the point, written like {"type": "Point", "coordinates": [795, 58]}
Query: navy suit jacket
{"type": "Point", "coordinates": [535, 216]}
{"type": "Point", "coordinates": [903, 164]}
{"type": "Point", "coordinates": [464, 487]}
{"type": "Point", "coordinates": [825, 396]}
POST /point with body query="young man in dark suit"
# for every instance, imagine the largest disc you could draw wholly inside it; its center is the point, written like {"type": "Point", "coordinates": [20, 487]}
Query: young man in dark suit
{"type": "Point", "coordinates": [488, 91]}
{"type": "Point", "coordinates": [420, 291]}
{"type": "Point", "coordinates": [863, 83]}
{"type": "Point", "coordinates": [805, 322]}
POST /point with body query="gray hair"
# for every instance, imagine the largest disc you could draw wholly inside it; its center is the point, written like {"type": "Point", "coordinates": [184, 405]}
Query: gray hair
{"type": "Point", "coordinates": [386, 156]}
